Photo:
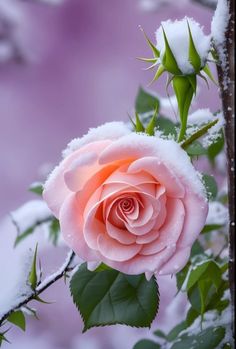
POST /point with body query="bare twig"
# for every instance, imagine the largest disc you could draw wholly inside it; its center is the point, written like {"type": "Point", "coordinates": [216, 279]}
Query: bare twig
{"type": "Point", "coordinates": [66, 267]}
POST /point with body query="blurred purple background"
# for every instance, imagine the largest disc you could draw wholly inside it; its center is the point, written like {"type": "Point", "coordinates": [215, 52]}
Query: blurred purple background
{"type": "Point", "coordinates": [74, 68]}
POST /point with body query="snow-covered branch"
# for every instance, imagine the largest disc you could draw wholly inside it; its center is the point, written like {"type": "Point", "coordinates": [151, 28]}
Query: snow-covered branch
{"type": "Point", "coordinates": [223, 38]}
{"type": "Point", "coordinates": [66, 267]}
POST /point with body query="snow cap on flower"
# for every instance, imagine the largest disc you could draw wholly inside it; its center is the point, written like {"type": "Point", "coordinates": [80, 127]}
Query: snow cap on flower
{"type": "Point", "coordinates": [183, 46]}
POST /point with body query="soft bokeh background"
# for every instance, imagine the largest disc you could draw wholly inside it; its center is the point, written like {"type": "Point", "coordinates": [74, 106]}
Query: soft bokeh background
{"type": "Point", "coordinates": [63, 69]}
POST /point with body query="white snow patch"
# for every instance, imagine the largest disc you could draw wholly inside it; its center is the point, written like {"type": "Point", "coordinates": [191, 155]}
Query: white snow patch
{"type": "Point", "coordinates": [109, 130]}
{"type": "Point", "coordinates": [217, 214]}
{"type": "Point", "coordinates": [30, 213]}
{"type": "Point", "coordinates": [178, 38]}
{"type": "Point", "coordinates": [13, 294]}
{"type": "Point", "coordinates": [200, 116]}
{"type": "Point", "coordinates": [219, 26]}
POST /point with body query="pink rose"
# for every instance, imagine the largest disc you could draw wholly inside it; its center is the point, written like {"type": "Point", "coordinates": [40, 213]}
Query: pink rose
{"type": "Point", "coordinates": [132, 201]}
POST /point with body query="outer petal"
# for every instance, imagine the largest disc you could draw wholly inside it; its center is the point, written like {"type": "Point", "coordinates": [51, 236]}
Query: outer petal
{"type": "Point", "coordinates": [55, 188]}
{"type": "Point", "coordinates": [177, 262]}
{"type": "Point", "coordinates": [142, 264]}
{"type": "Point", "coordinates": [196, 209]}
{"type": "Point", "coordinates": [72, 229]}
{"type": "Point", "coordinates": [161, 173]}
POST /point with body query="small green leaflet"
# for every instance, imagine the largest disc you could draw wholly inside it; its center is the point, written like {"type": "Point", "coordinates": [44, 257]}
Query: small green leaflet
{"type": "Point", "coordinates": [146, 344]}
{"type": "Point", "coordinates": [3, 337]}
{"type": "Point", "coordinates": [54, 231]}
{"type": "Point", "coordinates": [210, 185]}
{"type": "Point", "coordinates": [17, 318]}
{"type": "Point", "coordinates": [33, 272]}
{"type": "Point", "coordinates": [36, 188]}
{"type": "Point", "coordinates": [146, 102]}
{"type": "Point", "coordinates": [109, 297]}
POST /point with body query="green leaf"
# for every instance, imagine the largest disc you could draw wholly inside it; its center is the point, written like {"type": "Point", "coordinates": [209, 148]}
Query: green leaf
{"type": "Point", "coordinates": [196, 149]}
{"type": "Point", "coordinates": [146, 344]}
{"type": "Point", "coordinates": [210, 185]}
{"type": "Point", "coordinates": [102, 267]}
{"type": "Point", "coordinates": [138, 125]}
{"type": "Point", "coordinates": [150, 129]}
{"type": "Point", "coordinates": [203, 282]}
{"type": "Point", "coordinates": [23, 235]}
{"type": "Point", "coordinates": [160, 334]}
{"type": "Point", "coordinates": [168, 60]}
{"type": "Point", "coordinates": [110, 297]}
{"type": "Point", "coordinates": [33, 272]}
{"type": "Point", "coordinates": [198, 134]}
{"type": "Point", "coordinates": [17, 318]}
{"type": "Point", "coordinates": [181, 276]}
{"type": "Point", "coordinates": [193, 55]}
{"type": "Point", "coordinates": [146, 102]}
{"type": "Point", "coordinates": [191, 316]}
{"type": "Point", "coordinates": [173, 334]}
{"type": "Point", "coordinates": [166, 126]}
{"type": "Point", "coordinates": [207, 269]}
{"type": "Point", "coordinates": [54, 231]}
{"type": "Point", "coordinates": [211, 227]}
{"type": "Point", "coordinates": [216, 147]}
{"type": "Point", "coordinates": [206, 339]}
{"type": "Point", "coordinates": [197, 249]}
{"type": "Point", "coordinates": [36, 188]}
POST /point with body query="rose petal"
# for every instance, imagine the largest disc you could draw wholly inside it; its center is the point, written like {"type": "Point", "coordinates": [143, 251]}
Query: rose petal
{"type": "Point", "coordinates": [177, 262]}
{"type": "Point", "coordinates": [169, 234]}
{"type": "Point", "coordinates": [161, 173]}
{"type": "Point", "coordinates": [196, 208]}
{"type": "Point", "coordinates": [55, 189]}
{"type": "Point", "coordinates": [141, 264]}
{"type": "Point", "coordinates": [121, 235]}
{"type": "Point", "coordinates": [71, 224]}
{"type": "Point", "coordinates": [115, 251]}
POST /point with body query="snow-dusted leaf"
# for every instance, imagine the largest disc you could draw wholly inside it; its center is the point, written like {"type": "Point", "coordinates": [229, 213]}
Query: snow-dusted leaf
{"type": "Point", "coordinates": [109, 297]}
{"type": "Point", "coordinates": [216, 147]}
{"type": "Point", "coordinates": [166, 126]}
{"type": "Point", "coordinates": [146, 102]}
{"type": "Point", "coordinates": [17, 318]}
{"type": "Point", "coordinates": [173, 334]}
{"type": "Point", "coordinates": [207, 269]}
{"type": "Point", "coordinates": [210, 185]}
{"type": "Point", "coordinates": [206, 339]}
{"type": "Point", "coordinates": [196, 149]}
